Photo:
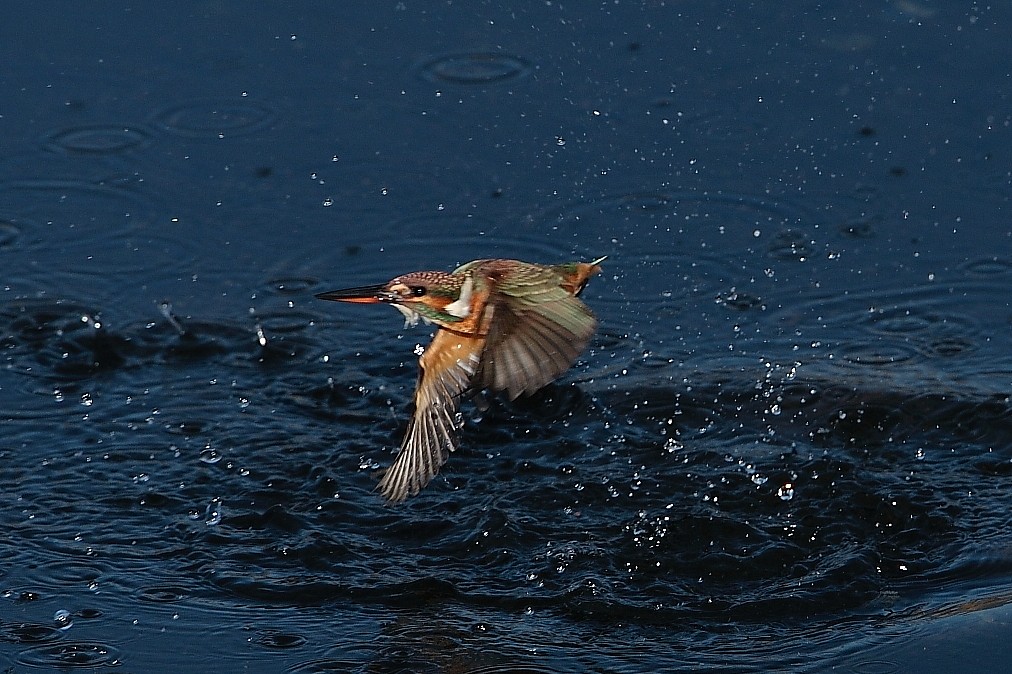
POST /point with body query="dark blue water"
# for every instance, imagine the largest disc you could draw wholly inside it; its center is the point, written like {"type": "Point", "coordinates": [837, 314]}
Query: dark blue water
{"type": "Point", "coordinates": [788, 448]}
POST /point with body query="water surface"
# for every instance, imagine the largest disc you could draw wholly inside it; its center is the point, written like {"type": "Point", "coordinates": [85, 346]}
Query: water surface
{"type": "Point", "coordinates": [787, 448]}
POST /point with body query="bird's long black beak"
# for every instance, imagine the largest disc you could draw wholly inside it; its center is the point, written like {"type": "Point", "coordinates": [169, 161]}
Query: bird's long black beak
{"type": "Point", "coordinates": [361, 295]}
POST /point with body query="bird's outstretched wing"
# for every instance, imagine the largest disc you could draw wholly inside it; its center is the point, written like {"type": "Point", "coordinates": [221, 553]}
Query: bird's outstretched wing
{"type": "Point", "coordinates": [537, 329]}
{"type": "Point", "coordinates": [445, 372]}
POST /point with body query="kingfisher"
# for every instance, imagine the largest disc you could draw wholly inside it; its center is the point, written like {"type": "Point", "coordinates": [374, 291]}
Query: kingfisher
{"type": "Point", "coordinates": [504, 326]}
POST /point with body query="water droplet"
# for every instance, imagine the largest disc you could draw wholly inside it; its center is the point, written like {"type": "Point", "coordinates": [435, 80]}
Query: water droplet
{"type": "Point", "coordinates": [210, 455]}
{"type": "Point", "coordinates": [63, 619]}
{"type": "Point", "coordinates": [786, 492]}
{"type": "Point", "coordinates": [165, 308]}
{"type": "Point", "coordinates": [212, 514]}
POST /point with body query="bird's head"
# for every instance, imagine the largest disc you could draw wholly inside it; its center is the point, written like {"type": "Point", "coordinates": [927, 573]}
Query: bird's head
{"type": "Point", "coordinates": [433, 296]}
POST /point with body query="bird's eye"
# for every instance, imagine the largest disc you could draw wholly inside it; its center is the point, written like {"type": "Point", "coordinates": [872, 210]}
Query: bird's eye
{"type": "Point", "coordinates": [417, 291]}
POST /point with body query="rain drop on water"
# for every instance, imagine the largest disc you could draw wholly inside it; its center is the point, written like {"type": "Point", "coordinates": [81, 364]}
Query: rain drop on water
{"type": "Point", "coordinates": [210, 455]}
{"type": "Point", "coordinates": [63, 619]}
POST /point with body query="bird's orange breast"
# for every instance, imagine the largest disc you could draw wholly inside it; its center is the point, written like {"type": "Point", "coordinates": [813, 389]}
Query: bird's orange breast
{"type": "Point", "coordinates": [478, 318]}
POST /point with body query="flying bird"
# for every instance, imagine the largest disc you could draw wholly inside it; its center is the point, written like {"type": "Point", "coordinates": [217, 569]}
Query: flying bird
{"type": "Point", "coordinates": [504, 326]}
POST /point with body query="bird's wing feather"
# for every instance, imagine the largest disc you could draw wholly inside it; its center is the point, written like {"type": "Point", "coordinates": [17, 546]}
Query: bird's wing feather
{"type": "Point", "coordinates": [446, 370]}
{"type": "Point", "coordinates": [537, 329]}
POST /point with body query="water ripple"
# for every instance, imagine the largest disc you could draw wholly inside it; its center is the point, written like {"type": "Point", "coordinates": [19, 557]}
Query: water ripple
{"type": "Point", "coordinates": [667, 248]}
{"type": "Point", "coordinates": [162, 594]}
{"type": "Point", "coordinates": [474, 68]}
{"type": "Point", "coordinates": [990, 267]}
{"type": "Point", "coordinates": [75, 210]}
{"type": "Point", "coordinates": [86, 233]}
{"type": "Point", "coordinates": [277, 639]}
{"type": "Point", "coordinates": [876, 353]}
{"type": "Point", "coordinates": [67, 572]}
{"type": "Point", "coordinates": [28, 633]}
{"type": "Point", "coordinates": [213, 119]}
{"type": "Point", "coordinates": [71, 655]}
{"type": "Point", "coordinates": [97, 139]}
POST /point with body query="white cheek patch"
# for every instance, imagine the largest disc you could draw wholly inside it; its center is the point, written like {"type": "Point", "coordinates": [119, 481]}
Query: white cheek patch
{"type": "Point", "coordinates": [461, 307]}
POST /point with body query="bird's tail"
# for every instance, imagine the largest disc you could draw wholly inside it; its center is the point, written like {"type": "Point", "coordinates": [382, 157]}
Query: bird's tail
{"type": "Point", "coordinates": [576, 274]}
